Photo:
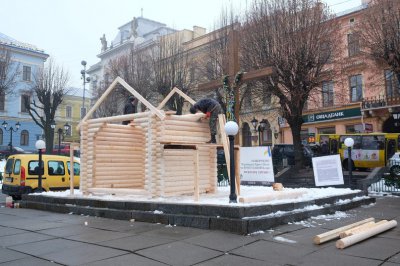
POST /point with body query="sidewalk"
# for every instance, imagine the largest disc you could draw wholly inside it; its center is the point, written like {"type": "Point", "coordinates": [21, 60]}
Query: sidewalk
{"type": "Point", "coordinates": [31, 237]}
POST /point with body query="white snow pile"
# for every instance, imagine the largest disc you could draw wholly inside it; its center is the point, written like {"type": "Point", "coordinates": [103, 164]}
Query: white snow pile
{"type": "Point", "coordinates": [221, 197]}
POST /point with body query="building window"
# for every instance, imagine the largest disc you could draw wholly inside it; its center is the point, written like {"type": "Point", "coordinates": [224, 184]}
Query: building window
{"type": "Point", "coordinates": [26, 73]}
{"type": "Point", "coordinates": [392, 85]}
{"type": "Point", "coordinates": [83, 112]}
{"type": "Point", "coordinates": [327, 93]}
{"type": "Point", "coordinates": [24, 138]}
{"type": "Point", "coordinates": [1, 136]}
{"type": "Point", "coordinates": [25, 100]}
{"type": "Point", "coordinates": [327, 130]}
{"type": "Point", "coordinates": [353, 44]}
{"type": "Point", "coordinates": [68, 111]}
{"type": "Point", "coordinates": [356, 88]}
{"type": "Point", "coordinates": [351, 129]}
{"type": "Point", "coordinates": [68, 132]}
{"type": "Point", "coordinates": [2, 101]}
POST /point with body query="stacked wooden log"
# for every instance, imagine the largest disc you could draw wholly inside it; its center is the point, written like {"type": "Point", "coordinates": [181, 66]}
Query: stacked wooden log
{"type": "Point", "coordinates": [355, 233]}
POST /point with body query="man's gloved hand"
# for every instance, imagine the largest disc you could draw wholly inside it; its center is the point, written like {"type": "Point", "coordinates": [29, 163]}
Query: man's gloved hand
{"type": "Point", "coordinates": [208, 114]}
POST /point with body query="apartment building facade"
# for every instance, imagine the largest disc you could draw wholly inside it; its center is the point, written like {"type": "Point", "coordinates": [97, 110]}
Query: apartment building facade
{"type": "Point", "coordinates": [362, 97]}
{"type": "Point", "coordinates": [18, 127]}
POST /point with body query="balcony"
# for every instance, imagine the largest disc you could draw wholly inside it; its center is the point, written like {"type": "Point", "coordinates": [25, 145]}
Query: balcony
{"type": "Point", "coordinates": [380, 102]}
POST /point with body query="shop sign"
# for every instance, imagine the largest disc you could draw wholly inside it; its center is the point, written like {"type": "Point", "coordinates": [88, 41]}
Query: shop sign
{"type": "Point", "coordinates": [326, 116]}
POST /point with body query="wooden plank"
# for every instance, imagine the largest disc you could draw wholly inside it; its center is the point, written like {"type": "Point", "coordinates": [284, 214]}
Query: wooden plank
{"type": "Point", "coordinates": [188, 118]}
{"type": "Point", "coordinates": [196, 175]}
{"type": "Point", "coordinates": [225, 142]}
{"type": "Point", "coordinates": [172, 92]}
{"type": "Point", "coordinates": [332, 234]}
{"type": "Point", "coordinates": [237, 171]}
{"type": "Point", "coordinates": [353, 239]}
{"type": "Point", "coordinates": [360, 228]}
{"type": "Point", "coordinates": [275, 195]}
{"type": "Point", "coordinates": [118, 191]}
{"type": "Point", "coordinates": [99, 101]}
{"type": "Point", "coordinates": [137, 95]}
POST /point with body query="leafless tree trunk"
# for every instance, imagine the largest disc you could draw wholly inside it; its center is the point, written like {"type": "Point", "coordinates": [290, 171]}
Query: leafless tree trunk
{"type": "Point", "coordinates": [379, 32]}
{"type": "Point", "coordinates": [9, 71]}
{"type": "Point", "coordinates": [296, 38]}
{"type": "Point", "coordinates": [50, 86]}
{"type": "Point", "coordinates": [172, 68]}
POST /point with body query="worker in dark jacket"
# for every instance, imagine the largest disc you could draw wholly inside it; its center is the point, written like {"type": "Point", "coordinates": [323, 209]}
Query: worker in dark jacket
{"type": "Point", "coordinates": [212, 109]}
{"type": "Point", "coordinates": [130, 108]}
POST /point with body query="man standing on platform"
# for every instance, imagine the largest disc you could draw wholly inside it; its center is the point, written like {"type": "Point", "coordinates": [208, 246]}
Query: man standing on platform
{"type": "Point", "coordinates": [212, 109]}
{"type": "Point", "coordinates": [130, 108]}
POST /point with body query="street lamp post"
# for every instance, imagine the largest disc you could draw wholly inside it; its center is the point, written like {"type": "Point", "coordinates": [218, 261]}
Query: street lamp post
{"type": "Point", "coordinates": [60, 133]}
{"type": "Point", "coordinates": [349, 142]}
{"type": "Point", "coordinates": [231, 129]}
{"type": "Point", "coordinates": [261, 128]}
{"type": "Point", "coordinates": [11, 129]}
{"type": "Point", "coordinates": [40, 145]}
{"type": "Point", "coordinates": [85, 80]}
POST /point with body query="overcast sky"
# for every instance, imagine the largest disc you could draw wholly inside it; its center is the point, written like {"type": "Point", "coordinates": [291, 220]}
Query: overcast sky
{"type": "Point", "coordinates": [69, 30]}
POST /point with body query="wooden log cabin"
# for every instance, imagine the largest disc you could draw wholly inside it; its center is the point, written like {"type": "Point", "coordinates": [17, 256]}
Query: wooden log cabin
{"type": "Point", "coordinates": [159, 154]}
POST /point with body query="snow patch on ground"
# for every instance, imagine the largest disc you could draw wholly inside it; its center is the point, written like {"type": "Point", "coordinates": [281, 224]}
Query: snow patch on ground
{"type": "Point", "coordinates": [329, 217]}
{"type": "Point", "coordinates": [282, 239]}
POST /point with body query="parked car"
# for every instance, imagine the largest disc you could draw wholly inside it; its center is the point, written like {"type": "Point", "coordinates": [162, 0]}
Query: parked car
{"type": "Point", "coordinates": [64, 149]}
{"type": "Point", "coordinates": [22, 173]}
{"type": "Point", "coordinates": [282, 152]}
{"type": "Point", "coordinates": [5, 151]}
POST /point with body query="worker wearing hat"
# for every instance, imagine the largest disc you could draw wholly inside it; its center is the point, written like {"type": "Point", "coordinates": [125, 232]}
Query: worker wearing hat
{"type": "Point", "coordinates": [130, 108]}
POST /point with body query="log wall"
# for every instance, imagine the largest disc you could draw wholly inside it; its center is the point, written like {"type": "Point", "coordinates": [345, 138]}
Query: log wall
{"type": "Point", "coordinates": [132, 158]}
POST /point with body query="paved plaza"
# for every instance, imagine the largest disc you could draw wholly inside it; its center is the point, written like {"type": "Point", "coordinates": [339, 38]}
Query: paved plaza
{"type": "Point", "coordinates": [32, 237]}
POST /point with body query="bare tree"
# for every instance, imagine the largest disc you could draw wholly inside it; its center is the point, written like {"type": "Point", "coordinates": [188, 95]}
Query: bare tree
{"type": "Point", "coordinates": [47, 93]}
{"type": "Point", "coordinates": [135, 68]}
{"type": "Point", "coordinates": [379, 33]}
{"type": "Point", "coordinates": [218, 57]}
{"type": "Point", "coordinates": [9, 71]}
{"type": "Point", "coordinates": [296, 38]}
{"type": "Point", "coordinates": [172, 67]}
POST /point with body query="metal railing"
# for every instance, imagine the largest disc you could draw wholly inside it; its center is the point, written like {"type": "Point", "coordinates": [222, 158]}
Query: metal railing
{"type": "Point", "coordinates": [383, 186]}
{"type": "Point", "coordinates": [379, 102]}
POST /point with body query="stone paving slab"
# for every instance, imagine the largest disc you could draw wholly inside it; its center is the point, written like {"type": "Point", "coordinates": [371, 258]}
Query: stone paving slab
{"type": "Point", "coordinates": [129, 259]}
{"type": "Point", "coordinates": [11, 240]}
{"type": "Point", "coordinates": [30, 262]}
{"type": "Point", "coordinates": [134, 243]}
{"type": "Point", "coordinates": [272, 252]}
{"type": "Point", "coordinates": [179, 253]}
{"type": "Point", "coordinates": [97, 235]}
{"type": "Point", "coordinates": [228, 259]}
{"type": "Point", "coordinates": [6, 231]}
{"type": "Point", "coordinates": [82, 254]}
{"type": "Point", "coordinates": [221, 241]}
{"type": "Point", "coordinates": [46, 246]}
{"type": "Point", "coordinates": [10, 255]}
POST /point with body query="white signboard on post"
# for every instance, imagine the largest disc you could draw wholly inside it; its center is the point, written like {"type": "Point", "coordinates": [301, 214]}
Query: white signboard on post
{"type": "Point", "coordinates": [256, 165]}
{"type": "Point", "coordinates": [327, 170]}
